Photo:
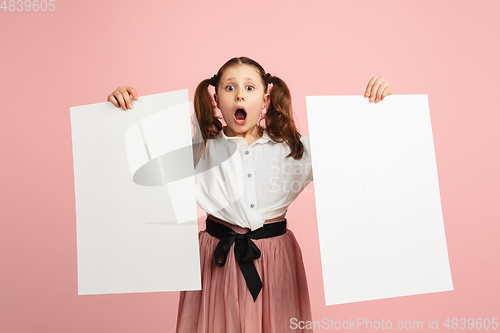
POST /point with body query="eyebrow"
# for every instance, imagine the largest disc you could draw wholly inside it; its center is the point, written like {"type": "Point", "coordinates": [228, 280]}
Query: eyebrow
{"type": "Point", "coordinates": [232, 78]}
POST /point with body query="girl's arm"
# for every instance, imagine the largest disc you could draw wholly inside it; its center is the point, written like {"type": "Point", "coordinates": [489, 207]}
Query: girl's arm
{"type": "Point", "coordinates": [121, 97]}
{"type": "Point", "coordinates": [377, 89]}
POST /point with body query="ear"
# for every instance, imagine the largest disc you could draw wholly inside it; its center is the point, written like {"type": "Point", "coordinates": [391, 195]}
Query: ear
{"type": "Point", "coordinates": [265, 101]}
{"type": "Point", "coordinates": [216, 99]}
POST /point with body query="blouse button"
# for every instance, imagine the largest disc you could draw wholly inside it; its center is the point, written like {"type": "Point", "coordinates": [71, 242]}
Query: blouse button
{"type": "Point", "coordinates": [249, 175]}
{"type": "Point", "coordinates": [246, 153]}
{"type": "Point", "coordinates": [252, 205]}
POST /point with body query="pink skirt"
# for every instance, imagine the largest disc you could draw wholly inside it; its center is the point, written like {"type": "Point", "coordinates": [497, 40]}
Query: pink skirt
{"type": "Point", "coordinates": [225, 305]}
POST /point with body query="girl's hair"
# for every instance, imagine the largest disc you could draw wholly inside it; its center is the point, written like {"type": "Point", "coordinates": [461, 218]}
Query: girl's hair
{"type": "Point", "coordinates": [279, 121]}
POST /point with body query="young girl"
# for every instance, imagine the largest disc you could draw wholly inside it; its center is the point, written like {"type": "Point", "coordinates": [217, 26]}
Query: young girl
{"type": "Point", "coordinates": [253, 277]}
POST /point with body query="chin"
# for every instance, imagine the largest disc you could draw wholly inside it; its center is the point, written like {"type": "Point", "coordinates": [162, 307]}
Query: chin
{"type": "Point", "coordinates": [236, 128]}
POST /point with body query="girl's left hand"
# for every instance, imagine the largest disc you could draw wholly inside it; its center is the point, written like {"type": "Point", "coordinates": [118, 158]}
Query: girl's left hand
{"type": "Point", "coordinates": [377, 89]}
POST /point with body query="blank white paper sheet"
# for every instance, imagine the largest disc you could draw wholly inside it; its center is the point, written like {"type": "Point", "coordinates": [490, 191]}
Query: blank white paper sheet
{"type": "Point", "coordinates": [136, 209]}
{"type": "Point", "coordinates": [378, 205]}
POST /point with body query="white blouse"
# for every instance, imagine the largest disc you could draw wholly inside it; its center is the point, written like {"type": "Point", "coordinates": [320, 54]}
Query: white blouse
{"type": "Point", "coordinates": [247, 185]}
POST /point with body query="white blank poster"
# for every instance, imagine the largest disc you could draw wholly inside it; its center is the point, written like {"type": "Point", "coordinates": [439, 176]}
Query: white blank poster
{"type": "Point", "coordinates": [134, 185]}
{"type": "Point", "coordinates": [380, 221]}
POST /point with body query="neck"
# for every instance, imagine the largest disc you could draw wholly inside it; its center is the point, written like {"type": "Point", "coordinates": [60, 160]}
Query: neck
{"type": "Point", "coordinates": [251, 135]}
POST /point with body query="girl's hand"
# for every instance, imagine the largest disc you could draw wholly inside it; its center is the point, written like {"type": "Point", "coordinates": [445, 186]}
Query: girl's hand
{"type": "Point", "coordinates": [121, 97]}
{"type": "Point", "coordinates": [377, 89]}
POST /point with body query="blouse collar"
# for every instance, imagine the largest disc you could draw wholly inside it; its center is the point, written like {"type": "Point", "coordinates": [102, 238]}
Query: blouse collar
{"type": "Point", "coordinates": [222, 138]}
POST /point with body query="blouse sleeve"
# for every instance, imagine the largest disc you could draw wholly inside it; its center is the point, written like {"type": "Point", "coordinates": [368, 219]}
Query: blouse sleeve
{"type": "Point", "coordinates": [297, 173]}
{"type": "Point", "coordinates": [306, 159]}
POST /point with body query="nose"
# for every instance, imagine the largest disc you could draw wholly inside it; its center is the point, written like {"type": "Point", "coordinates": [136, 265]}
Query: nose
{"type": "Point", "coordinates": [240, 96]}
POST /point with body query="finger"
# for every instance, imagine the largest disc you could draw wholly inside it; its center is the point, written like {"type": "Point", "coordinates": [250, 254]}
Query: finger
{"type": "Point", "coordinates": [133, 92]}
{"type": "Point", "coordinates": [385, 92]}
{"type": "Point", "coordinates": [119, 97]}
{"type": "Point", "coordinates": [375, 88]}
{"type": "Point", "coordinates": [126, 97]}
{"type": "Point", "coordinates": [380, 91]}
{"type": "Point", "coordinates": [113, 100]}
{"type": "Point", "coordinates": [390, 92]}
{"type": "Point", "coordinates": [369, 87]}
{"type": "Point", "coordinates": [129, 93]}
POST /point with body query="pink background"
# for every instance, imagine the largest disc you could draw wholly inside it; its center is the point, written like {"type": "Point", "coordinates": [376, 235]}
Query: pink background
{"type": "Point", "coordinates": [78, 54]}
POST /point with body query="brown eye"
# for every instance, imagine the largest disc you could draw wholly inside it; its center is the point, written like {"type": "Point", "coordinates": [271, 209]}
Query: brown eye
{"type": "Point", "coordinates": [229, 88]}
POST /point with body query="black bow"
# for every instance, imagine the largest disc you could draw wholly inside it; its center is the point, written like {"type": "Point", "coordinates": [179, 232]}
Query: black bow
{"type": "Point", "coordinates": [245, 250]}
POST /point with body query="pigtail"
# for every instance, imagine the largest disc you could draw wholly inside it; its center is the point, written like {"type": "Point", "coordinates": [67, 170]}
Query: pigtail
{"type": "Point", "coordinates": [208, 125]}
{"type": "Point", "coordinates": [279, 117]}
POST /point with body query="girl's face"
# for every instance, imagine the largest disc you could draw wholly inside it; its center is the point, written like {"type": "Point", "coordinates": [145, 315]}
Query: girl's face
{"type": "Point", "coordinates": [241, 97]}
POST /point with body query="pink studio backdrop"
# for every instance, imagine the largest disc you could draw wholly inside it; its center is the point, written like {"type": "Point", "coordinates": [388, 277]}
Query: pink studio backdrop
{"type": "Point", "coordinates": [82, 51]}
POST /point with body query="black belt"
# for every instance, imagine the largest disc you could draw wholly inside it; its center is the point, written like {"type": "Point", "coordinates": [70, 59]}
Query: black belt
{"type": "Point", "coordinates": [245, 251]}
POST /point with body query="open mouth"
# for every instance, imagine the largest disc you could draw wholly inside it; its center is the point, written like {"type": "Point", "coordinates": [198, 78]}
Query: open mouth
{"type": "Point", "coordinates": [240, 116]}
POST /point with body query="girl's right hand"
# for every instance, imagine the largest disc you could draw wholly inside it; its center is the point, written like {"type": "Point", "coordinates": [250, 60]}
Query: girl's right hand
{"type": "Point", "coordinates": [121, 97]}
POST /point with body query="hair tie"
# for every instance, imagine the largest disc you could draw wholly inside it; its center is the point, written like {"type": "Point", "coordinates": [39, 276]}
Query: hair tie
{"type": "Point", "coordinates": [268, 78]}
{"type": "Point", "coordinates": [213, 80]}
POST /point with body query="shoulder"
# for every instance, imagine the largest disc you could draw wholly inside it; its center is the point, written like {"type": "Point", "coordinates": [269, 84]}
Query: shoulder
{"type": "Point", "coordinates": [285, 149]}
{"type": "Point", "coordinates": [305, 140]}
{"type": "Point", "coordinates": [307, 147]}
